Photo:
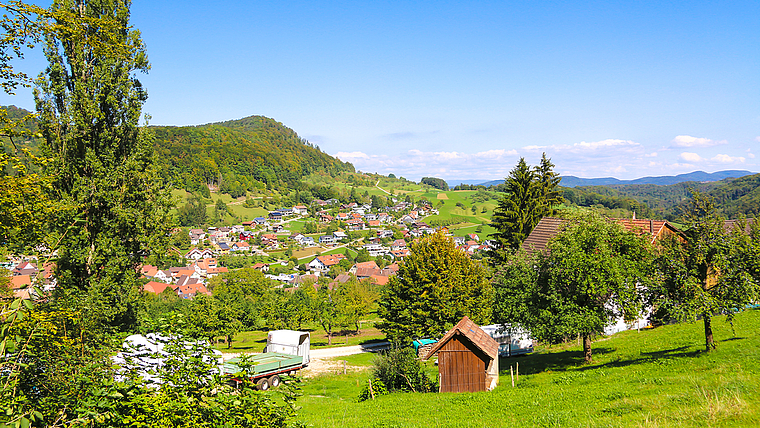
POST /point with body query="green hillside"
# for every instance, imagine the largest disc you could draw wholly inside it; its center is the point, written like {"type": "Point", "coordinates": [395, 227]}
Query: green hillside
{"type": "Point", "coordinates": [653, 378]}
{"type": "Point", "coordinates": [239, 156]}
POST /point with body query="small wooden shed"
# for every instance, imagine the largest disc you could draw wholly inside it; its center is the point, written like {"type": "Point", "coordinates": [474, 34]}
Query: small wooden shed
{"type": "Point", "coordinates": [468, 359]}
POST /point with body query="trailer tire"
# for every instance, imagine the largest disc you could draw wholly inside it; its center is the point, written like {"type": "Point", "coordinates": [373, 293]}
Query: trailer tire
{"type": "Point", "coordinates": [262, 384]}
{"type": "Point", "coordinates": [274, 381]}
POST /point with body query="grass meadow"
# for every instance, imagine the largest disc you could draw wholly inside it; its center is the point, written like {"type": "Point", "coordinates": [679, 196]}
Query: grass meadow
{"type": "Point", "coordinates": [653, 378]}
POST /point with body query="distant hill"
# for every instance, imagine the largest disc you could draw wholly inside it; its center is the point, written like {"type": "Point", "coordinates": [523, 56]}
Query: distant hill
{"type": "Point", "coordinates": [572, 181]}
{"type": "Point", "coordinates": [239, 155]}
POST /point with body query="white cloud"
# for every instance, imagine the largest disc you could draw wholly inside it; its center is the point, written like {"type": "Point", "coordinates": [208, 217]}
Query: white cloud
{"type": "Point", "coordinates": [689, 141]}
{"type": "Point", "coordinates": [690, 157]}
{"type": "Point", "coordinates": [351, 156]}
{"type": "Point", "coordinates": [728, 159]}
{"type": "Point", "coordinates": [488, 165]}
{"type": "Point", "coordinates": [585, 147]}
{"type": "Point", "coordinates": [618, 169]}
{"type": "Point", "coordinates": [750, 154]}
{"type": "Point", "coordinates": [651, 155]}
{"type": "Point", "coordinates": [603, 144]}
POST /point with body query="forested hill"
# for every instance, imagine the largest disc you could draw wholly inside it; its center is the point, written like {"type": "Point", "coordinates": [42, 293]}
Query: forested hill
{"type": "Point", "coordinates": [240, 155]}
{"type": "Point", "coordinates": [733, 197]}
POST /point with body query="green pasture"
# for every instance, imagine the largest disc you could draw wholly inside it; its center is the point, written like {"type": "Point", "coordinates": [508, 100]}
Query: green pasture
{"type": "Point", "coordinates": [256, 340]}
{"type": "Point", "coordinates": [653, 378]}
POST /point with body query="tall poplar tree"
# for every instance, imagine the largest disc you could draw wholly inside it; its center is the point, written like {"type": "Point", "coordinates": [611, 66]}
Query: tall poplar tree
{"type": "Point", "coordinates": [89, 103]}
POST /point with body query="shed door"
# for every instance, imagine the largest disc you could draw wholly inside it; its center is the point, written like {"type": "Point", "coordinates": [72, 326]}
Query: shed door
{"type": "Point", "coordinates": [460, 369]}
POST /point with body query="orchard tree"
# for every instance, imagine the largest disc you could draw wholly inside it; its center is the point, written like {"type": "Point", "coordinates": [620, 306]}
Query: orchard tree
{"type": "Point", "coordinates": [436, 285]}
{"type": "Point", "coordinates": [89, 103]}
{"type": "Point", "coordinates": [715, 271]}
{"type": "Point", "coordinates": [593, 272]}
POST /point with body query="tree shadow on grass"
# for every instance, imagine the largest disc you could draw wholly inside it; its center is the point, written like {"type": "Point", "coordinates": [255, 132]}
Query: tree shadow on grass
{"type": "Point", "coordinates": [550, 361]}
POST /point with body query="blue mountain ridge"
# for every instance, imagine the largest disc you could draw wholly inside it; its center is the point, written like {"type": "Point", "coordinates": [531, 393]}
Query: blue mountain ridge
{"type": "Point", "coordinates": [573, 181]}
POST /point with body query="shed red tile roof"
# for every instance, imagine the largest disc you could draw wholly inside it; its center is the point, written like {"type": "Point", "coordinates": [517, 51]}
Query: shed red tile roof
{"type": "Point", "coordinates": [474, 335]}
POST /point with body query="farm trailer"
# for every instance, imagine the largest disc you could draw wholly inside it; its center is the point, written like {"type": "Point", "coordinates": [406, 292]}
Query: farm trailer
{"type": "Point", "coordinates": [287, 351]}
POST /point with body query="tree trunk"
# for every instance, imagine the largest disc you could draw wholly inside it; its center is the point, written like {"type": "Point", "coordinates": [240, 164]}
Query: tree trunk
{"type": "Point", "coordinates": [587, 348]}
{"type": "Point", "coordinates": [709, 343]}
{"type": "Point", "coordinates": [229, 342]}
{"type": "Point", "coordinates": [329, 337]}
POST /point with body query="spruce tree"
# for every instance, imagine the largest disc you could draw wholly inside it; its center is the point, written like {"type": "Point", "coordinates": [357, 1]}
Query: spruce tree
{"type": "Point", "coordinates": [89, 103]}
{"type": "Point", "coordinates": [530, 194]}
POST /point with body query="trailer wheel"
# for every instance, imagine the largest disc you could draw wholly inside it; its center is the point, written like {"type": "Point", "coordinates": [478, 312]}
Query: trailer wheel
{"type": "Point", "coordinates": [262, 384]}
{"type": "Point", "coordinates": [274, 381]}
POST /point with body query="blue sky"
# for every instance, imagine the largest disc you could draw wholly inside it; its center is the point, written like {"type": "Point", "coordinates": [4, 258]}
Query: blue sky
{"type": "Point", "coordinates": [462, 90]}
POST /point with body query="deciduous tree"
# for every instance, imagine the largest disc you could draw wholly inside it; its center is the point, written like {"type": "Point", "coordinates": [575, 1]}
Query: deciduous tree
{"type": "Point", "coordinates": [592, 272]}
{"type": "Point", "coordinates": [715, 271]}
{"type": "Point", "coordinates": [89, 102]}
{"type": "Point", "coordinates": [436, 285]}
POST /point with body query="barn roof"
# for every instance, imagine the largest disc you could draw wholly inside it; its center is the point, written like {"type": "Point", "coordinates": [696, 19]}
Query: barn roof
{"type": "Point", "coordinates": [548, 227]}
{"type": "Point", "coordinates": [473, 333]}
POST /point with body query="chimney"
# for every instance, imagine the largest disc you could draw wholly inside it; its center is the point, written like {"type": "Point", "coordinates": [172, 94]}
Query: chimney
{"type": "Point", "coordinates": [651, 226]}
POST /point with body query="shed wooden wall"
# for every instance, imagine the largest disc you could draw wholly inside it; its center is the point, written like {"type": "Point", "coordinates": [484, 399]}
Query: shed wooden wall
{"type": "Point", "coordinates": [461, 366]}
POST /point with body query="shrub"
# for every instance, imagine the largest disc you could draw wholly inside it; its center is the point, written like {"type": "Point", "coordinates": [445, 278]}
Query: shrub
{"type": "Point", "coordinates": [400, 370]}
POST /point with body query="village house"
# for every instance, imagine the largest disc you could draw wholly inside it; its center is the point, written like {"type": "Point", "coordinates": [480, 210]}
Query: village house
{"type": "Point", "coordinates": [189, 291]}
{"type": "Point", "coordinates": [375, 250]}
{"type": "Point", "coordinates": [301, 210]}
{"type": "Point", "coordinates": [355, 224]}
{"type": "Point", "coordinates": [324, 263]}
{"type": "Point", "coordinates": [241, 246]}
{"type": "Point", "coordinates": [400, 254]}
{"type": "Point", "coordinates": [364, 265]}
{"type": "Point", "coordinates": [327, 239]}
{"type": "Point", "coordinates": [339, 236]}
{"type": "Point", "coordinates": [398, 244]}
{"type": "Point", "coordinates": [212, 272]}
{"type": "Point", "coordinates": [202, 266]}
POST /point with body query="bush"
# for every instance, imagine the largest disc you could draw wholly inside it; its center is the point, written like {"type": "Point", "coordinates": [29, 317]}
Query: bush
{"type": "Point", "coordinates": [399, 370]}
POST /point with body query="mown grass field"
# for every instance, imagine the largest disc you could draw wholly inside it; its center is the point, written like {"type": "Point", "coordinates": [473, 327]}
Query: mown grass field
{"type": "Point", "coordinates": [653, 378]}
{"type": "Point", "coordinates": [255, 340]}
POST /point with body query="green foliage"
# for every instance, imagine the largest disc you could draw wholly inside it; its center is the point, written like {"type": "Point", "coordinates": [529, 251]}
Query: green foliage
{"type": "Point", "coordinates": [397, 370]}
{"type": "Point", "coordinates": [240, 155]}
{"type": "Point", "coordinates": [373, 388]}
{"type": "Point", "coordinates": [530, 195]}
{"type": "Point", "coordinates": [592, 272]}
{"type": "Point", "coordinates": [436, 286]}
{"type": "Point", "coordinates": [101, 161]}
{"type": "Point", "coordinates": [438, 183]}
{"type": "Point", "coordinates": [400, 370]}
{"type": "Point", "coordinates": [586, 198]}
{"type": "Point", "coordinates": [715, 271]}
